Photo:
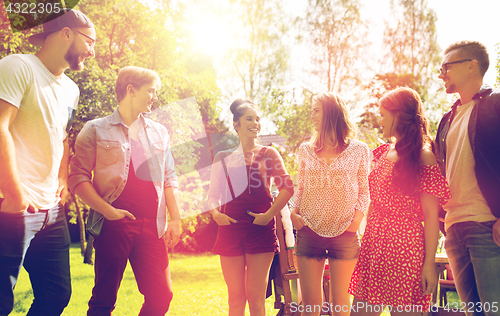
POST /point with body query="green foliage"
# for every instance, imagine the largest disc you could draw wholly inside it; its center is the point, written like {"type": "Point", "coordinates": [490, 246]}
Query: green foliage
{"type": "Point", "coordinates": [380, 84]}
{"type": "Point", "coordinates": [292, 119]}
{"type": "Point", "coordinates": [497, 84]}
{"type": "Point", "coordinates": [13, 42]}
{"type": "Point", "coordinates": [197, 282]}
{"type": "Point", "coordinates": [412, 41]}
{"type": "Point", "coordinates": [258, 60]}
{"type": "Point", "coordinates": [28, 14]}
{"type": "Point", "coordinates": [339, 38]}
{"type": "Point", "coordinates": [412, 54]}
{"type": "Point", "coordinates": [132, 33]}
{"type": "Point", "coordinates": [413, 51]}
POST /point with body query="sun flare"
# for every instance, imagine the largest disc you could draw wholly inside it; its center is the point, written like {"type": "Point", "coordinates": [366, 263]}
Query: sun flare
{"type": "Point", "coordinates": [211, 36]}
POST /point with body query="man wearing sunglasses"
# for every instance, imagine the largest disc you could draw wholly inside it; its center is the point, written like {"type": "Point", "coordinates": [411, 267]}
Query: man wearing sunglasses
{"type": "Point", "coordinates": [468, 142]}
{"type": "Point", "coordinates": [37, 105]}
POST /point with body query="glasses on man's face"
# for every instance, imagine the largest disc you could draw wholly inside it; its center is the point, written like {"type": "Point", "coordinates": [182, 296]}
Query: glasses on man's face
{"type": "Point", "coordinates": [92, 44]}
{"type": "Point", "coordinates": [444, 67]}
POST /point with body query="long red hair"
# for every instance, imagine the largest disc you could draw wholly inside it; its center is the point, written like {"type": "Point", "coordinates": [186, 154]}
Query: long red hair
{"type": "Point", "coordinates": [413, 136]}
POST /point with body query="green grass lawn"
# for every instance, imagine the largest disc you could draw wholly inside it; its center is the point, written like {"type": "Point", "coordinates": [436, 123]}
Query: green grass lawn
{"type": "Point", "coordinates": [198, 285]}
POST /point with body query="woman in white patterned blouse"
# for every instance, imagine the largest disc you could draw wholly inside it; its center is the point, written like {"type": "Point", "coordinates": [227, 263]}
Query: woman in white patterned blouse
{"type": "Point", "coordinates": [331, 200]}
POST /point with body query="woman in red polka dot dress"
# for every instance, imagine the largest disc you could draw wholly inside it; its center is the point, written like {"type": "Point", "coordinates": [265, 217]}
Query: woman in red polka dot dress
{"type": "Point", "coordinates": [396, 265]}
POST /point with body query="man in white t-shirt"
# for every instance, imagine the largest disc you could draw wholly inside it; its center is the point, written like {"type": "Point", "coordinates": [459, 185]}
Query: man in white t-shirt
{"type": "Point", "coordinates": [37, 104]}
{"type": "Point", "coordinates": [468, 142]}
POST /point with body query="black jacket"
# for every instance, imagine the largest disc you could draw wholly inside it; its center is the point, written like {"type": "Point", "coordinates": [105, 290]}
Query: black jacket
{"type": "Point", "coordinates": [484, 137]}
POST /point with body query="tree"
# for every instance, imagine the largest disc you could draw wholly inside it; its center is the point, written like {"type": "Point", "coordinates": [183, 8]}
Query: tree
{"type": "Point", "coordinates": [291, 116]}
{"type": "Point", "coordinates": [132, 33]}
{"type": "Point", "coordinates": [412, 42]}
{"type": "Point", "coordinates": [339, 38]}
{"type": "Point", "coordinates": [412, 56]}
{"type": "Point", "coordinates": [369, 127]}
{"type": "Point", "coordinates": [13, 41]}
{"type": "Point", "coordinates": [498, 67]}
{"type": "Point", "coordinates": [258, 61]}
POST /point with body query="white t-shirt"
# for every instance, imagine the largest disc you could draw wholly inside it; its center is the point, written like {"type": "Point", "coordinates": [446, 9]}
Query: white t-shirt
{"type": "Point", "coordinates": [44, 104]}
{"type": "Point", "coordinates": [467, 202]}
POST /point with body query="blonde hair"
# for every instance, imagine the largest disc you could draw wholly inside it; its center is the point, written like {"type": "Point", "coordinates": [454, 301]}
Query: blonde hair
{"type": "Point", "coordinates": [137, 77]}
{"type": "Point", "coordinates": [336, 125]}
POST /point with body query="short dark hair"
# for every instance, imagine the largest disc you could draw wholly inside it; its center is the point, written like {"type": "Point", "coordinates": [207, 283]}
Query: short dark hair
{"type": "Point", "coordinates": [472, 50]}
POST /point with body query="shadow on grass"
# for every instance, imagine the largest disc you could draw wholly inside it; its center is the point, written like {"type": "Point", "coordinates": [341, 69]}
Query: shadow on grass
{"type": "Point", "coordinates": [21, 301]}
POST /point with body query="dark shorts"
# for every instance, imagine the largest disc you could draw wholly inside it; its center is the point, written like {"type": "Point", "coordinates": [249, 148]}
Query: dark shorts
{"type": "Point", "coordinates": [239, 238]}
{"type": "Point", "coordinates": [342, 247]}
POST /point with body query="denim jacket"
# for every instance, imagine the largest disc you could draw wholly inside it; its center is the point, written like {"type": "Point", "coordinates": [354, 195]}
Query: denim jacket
{"type": "Point", "coordinates": [102, 157]}
{"type": "Point", "coordinates": [484, 137]}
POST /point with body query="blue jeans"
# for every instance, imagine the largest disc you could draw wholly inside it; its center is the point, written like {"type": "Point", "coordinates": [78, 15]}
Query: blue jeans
{"type": "Point", "coordinates": [41, 243]}
{"type": "Point", "coordinates": [475, 262]}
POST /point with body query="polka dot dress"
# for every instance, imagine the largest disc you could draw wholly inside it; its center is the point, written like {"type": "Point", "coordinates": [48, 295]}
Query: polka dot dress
{"type": "Point", "coordinates": [392, 251]}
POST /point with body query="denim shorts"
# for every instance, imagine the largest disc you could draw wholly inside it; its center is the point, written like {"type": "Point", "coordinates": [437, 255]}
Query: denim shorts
{"type": "Point", "coordinates": [342, 247]}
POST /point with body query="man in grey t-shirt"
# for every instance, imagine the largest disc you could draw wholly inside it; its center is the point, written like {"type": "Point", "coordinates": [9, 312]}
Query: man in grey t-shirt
{"type": "Point", "coordinates": [37, 101]}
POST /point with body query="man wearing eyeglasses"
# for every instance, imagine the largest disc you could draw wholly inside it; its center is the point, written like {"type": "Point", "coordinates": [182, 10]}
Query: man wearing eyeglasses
{"type": "Point", "coordinates": [468, 142]}
{"type": "Point", "coordinates": [37, 105]}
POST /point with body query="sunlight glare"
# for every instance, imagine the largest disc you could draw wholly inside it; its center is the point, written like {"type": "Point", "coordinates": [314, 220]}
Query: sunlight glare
{"type": "Point", "coordinates": [211, 36]}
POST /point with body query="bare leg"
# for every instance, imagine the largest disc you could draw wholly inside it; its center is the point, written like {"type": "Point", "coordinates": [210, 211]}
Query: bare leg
{"type": "Point", "coordinates": [233, 270]}
{"type": "Point", "coordinates": [311, 279]}
{"type": "Point", "coordinates": [340, 277]}
{"type": "Point", "coordinates": [258, 266]}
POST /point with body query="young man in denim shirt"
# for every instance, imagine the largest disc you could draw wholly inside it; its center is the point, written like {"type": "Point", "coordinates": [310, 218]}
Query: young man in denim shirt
{"type": "Point", "coordinates": [123, 169]}
{"type": "Point", "coordinates": [468, 142]}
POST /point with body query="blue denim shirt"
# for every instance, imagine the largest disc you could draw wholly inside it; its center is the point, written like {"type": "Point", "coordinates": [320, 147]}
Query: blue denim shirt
{"type": "Point", "coordinates": [103, 153]}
